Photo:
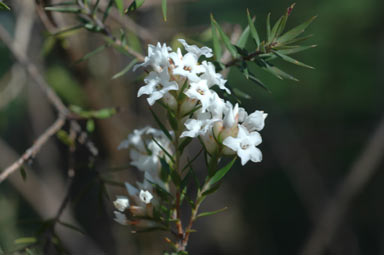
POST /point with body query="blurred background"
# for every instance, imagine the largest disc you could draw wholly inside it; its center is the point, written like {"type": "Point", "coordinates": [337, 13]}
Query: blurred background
{"type": "Point", "coordinates": [316, 131]}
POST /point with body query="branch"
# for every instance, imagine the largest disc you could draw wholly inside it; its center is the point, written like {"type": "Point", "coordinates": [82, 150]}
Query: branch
{"type": "Point", "coordinates": [31, 152]}
{"type": "Point", "coordinates": [52, 97]}
{"type": "Point", "coordinates": [361, 171]}
{"type": "Point", "coordinates": [33, 72]}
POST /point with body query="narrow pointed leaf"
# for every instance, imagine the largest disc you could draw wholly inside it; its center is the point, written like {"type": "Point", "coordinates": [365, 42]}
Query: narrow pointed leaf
{"type": "Point", "coordinates": [3, 6]}
{"type": "Point", "coordinates": [134, 5]}
{"type": "Point", "coordinates": [298, 39]}
{"type": "Point", "coordinates": [217, 50]}
{"type": "Point", "coordinates": [212, 213]}
{"type": "Point", "coordinates": [221, 172]}
{"type": "Point", "coordinates": [296, 50]}
{"type": "Point", "coordinates": [291, 60]}
{"type": "Point", "coordinates": [279, 73]}
{"type": "Point", "coordinates": [71, 9]}
{"type": "Point", "coordinates": [161, 125]}
{"type": "Point", "coordinates": [253, 30]}
{"type": "Point", "coordinates": [164, 9]}
{"type": "Point", "coordinates": [107, 10]}
{"type": "Point", "coordinates": [120, 5]}
{"type": "Point", "coordinates": [269, 27]}
{"type": "Point", "coordinates": [294, 32]}
{"type": "Point", "coordinates": [258, 82]}
{"type": "Point", "coordinates": [126, 69]}
{"type": "Point", "coordinates": [91, 54]}
{"type": "Point", "coordinates": [165, 170]}
{"type": "Point", "coordinates": [164, 150]}
{"type": "Point", "coordinates": [243, 37]}
{"type": "Point", "coordinates": [26, 240]}
{"type": "Point", "coordinates": [23, 173]}
{"type": "Point", "coordinates": [274, 30]}
{"type": "Point", "coordinates": [225, 38]}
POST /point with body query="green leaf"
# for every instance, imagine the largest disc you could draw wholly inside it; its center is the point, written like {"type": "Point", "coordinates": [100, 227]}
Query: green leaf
{"type": "Point", "coordinates": [91, 54]}
{"type": "Point", "coordinates": [90, 125]}
{"type": "Point", "coordinates": [161, 125]}
{"type": "Point", "coordinates": [257, 81]}
{"type": "Point", "coordinates": [269, 27]}
{"type": "Point", "coordinates": [253, 30]}
{"type": "Point", "coordinates": [164, 9]}
{"type": "Point", "coordinates": [242, 94]}
{"type": "Point", "coordinates": [165, 170]}
{"type": "Point", "coordinates": [3, 6]}
{"type": "Point", "coordinates": [120, 5]}
{"type": "Point", "coordinates": [69, 9]}
{"type": "Point", "coordinates": [294, 32]}
{"type": "Point", "coordinates": [68, 31]}
{"type": "Point", "coordinates": [291, 51]}
{"type": "Point", "coordinates": [221, 172]}
{"type": "Point", "coordinates": [225, 38]}
{"type": "Point", "coordinates": [217, 50]}
{"type": "Point", "coordinates": [212, 212]}
{"type": "Point", "coordinates": [26, 240]}
{"type": "Point", "coordinates": [70, 226]}
{"type": "Point", "coordinates": [274, 30]}
{"type": "Point", "coordinates": [279, 73]}
{"type": "Point", "coordinates": [64, 138]}
{"type": "Point", "coordinates": [172, 120]}
{"type": "Point", "coordinates": [211, 190]}
{"type": "Point", "coordinates": [175, 178]}
{"type": "Point", "coordinates": [107, 10]}
{"type": "Point", "coordinates": [243, 37]}
{"type": "Point", "coordinates": [134, 5]}
{"type": "Point", "coordinates": [164, 150]}
{"type": "Point", "coordinates": [291, 60]}
{"type": "Point", "coordinates": [184, 143]}
{"type": "Point", "coordinates": [23, 173]}
{"type": "Point", "coordinates": [126, 69]}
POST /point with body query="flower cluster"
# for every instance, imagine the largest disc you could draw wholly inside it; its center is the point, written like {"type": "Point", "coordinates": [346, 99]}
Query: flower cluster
{"type": "Point", "coordinates": [145, 154]}
{"type": "Point", "coordinates": [221, 125]}
{"type": "Point", "coordinates": [183, 84]}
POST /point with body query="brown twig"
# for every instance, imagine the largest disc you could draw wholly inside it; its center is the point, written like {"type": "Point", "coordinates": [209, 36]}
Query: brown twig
{"type": "Point", "coordinates": [361, 171]}
{"type": "Point", "coordinates": [52, 97]}
{"type": "Point", "coordinates": [31, 152]}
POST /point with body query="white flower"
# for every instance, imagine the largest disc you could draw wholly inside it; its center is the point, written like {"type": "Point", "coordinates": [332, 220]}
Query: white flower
{"type": "Point", "coordinates": [121, 203]}
{"type": "Point", "coordinates": [207, 52]}
{"type": "Point", "coordinates": [255, 121]}
{"type": "Point", "coordinates": [245, 145]}
{"type": "Point", "coordinates": [217, 106]}
{"type": "Point", "coordinates": [145, 196]}
{"type": "Point", "coordinates": [120, 218]}
{"type": "Point", "coordinates": [157, 57]}
{"type": "Point", "coordinates": [187, 66]}
{"type": "Point", "coordinates": [157, 84]}
{"type": "Point", "coordinates": [212, 77]}
{"type": "Point", "coordinates": [196, 127]}
{"type": "Point", "coordinates": [231, 116]}
{"type": "Point", "coordinates": [200, 91]}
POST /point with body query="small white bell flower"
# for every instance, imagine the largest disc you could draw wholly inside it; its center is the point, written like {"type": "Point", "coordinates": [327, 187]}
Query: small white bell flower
{"type": "Point", "coordinates": [145, 196]}
{"type": "Point", "coordinates": [121, 203]}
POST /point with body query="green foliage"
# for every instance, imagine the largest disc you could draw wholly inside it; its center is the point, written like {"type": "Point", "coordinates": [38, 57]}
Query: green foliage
{"type": "Point", "coordinates": [97, 114]}
{"type": "Point", "coordinates": [134, 5]}
{"type": "Point", "coordinates": [3, 6]}
{"type": "Point", "coordinates": [164, 9]}
{"type": "Point", "coordinates": [276, 45]}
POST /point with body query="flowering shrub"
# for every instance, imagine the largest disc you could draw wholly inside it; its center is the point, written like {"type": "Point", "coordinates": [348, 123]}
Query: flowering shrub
{"type": "Point", "coordinates": [190, 88]}
{"type": "Point", "coordinates": [184, 87]}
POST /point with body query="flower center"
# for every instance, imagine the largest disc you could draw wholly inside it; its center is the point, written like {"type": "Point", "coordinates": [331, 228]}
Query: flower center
{"type": "Point", "coordinates": [200, 91]}
{"type": "Point", "coordinates": [244, 146]}
{"type": "Point", "coordinates": [159, 86]}
{"type": "Point", "coordinates": [187, 68]}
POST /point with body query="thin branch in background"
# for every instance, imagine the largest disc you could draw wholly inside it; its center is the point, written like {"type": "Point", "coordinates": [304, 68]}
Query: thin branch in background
{"type": "Point", "coordinates": [31, 152]}
{"type": "Point", "coordinates": [360, 173]}
{"type": "Point", "coordinates": [52, 97]}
